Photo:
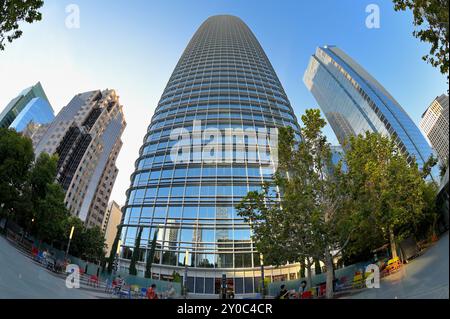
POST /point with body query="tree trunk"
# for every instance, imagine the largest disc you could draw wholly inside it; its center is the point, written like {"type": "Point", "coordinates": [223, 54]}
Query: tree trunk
{"type": "Point", "coordinates": [308, 275]}
{"type": "Point", "coordinates": [392, 242]}
{"type": "Point", "coordinates": [330, 274]}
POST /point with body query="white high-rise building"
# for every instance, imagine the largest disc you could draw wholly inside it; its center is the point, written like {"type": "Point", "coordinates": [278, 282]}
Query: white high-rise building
{"type": "Point", "coordinates": [86, 136]}
{"type": "Point", "coordinates": [434, 124]}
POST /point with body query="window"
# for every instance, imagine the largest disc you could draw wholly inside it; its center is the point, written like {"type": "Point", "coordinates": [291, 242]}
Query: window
{"type": "Point", "coordinates": [177, 191]}
{"type": "Point", "coordinates": [163, 192]}
{"type": "Point", "coordinates": [160, 212]}
{"type": "Point", "coordinates": [192, 191]}
{"type": "Point", "coordinates": [180, 173]}
{"type": "Point", "coordinates": [154, 175]}
{"type": "Point", "coordinates": [167, 173]}
{"type": "Point", "coordinates": [206, 212]}
{"type": "Point", "coordinates": [175, 212]}
{"type": "Point", "coordinates": [187, 235]}
{"type": "Point", "coordinates": [190, 212]}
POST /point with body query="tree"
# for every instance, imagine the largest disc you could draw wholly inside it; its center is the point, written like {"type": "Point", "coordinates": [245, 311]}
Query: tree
{"type": "Point", "coordinates": [77, 244]}
{"type": "Point", "coordinates": [12, 12]}
{"type": "Point", "coordinates": [113, 252]}
{"type": "Point", "coordinates": [50, 212]}
{"type": "Point", "coordinates": [388, 191]}
{"type": "Point", "coordinates": [151, 256]}
{"type": "Point", "coordinates": [176, 277]}
{"type": "Point", "coordinates": [433, 16]}
{"type": "Point", "coordinates": [308, 220]}
{"type": "Point", "coordinates": [317, 268]}
{"type": "Point", "coordinates": [136, 252]}
{"type": "Point", "coordinates": [95, 243]}
{"type": "Point", "coordinates": [47, 197]}
{"type": "Point", "coordinates": [16, 158]}
{"type": "Point", "coordinates": [87, 243]}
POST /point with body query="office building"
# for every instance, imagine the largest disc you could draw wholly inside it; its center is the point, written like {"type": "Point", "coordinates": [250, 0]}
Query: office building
{"type": "Point", "coordinates": [354, 102]}
{"type": "Point", "coordinates": [222, 83]}
{"type": "Point", "coordinates": [111, 220]}
{"type": "Point", "coordinates": [30, 106]}
{"type": "Point", "coordinates": [86, 136]}
{"type": "Point", "coordinates": [434, 124]}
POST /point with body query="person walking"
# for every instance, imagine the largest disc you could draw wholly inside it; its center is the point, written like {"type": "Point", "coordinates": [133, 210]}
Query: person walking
{"type": "Point", "coordinates": [171, 292]}
{"type": "Point", "coordinates": [151, 292]}
{"type": "Point", "coordinates": [283, 293]}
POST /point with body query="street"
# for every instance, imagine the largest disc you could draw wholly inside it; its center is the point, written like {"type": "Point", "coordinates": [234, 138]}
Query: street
{"type": "Point", "coordinates": [425, 277]}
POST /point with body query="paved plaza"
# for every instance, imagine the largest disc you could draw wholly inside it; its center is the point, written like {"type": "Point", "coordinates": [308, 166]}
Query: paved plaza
{"type": "Point", "coordinates": [425, 277]}
{"type": "Point", "coordinates": [20, 277]}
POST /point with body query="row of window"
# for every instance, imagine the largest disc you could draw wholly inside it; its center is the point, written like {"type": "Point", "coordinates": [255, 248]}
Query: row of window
{"type": "Point", "coordinates": [159, 134]}
{"type": "Point", "coordinates": [219, 64]}
{"type": "Point", "coordinates": [202, 84]}
{"type": "Point", "coordinates": [238, 157]}
{"type": "Point", "coordinates": [222, 76]}
{"type": "Point", "coordinates": [218, 116]}
{"type": "Point", "coordinates": [271, 108]}
{"type": "Point", "coordinates": [171, 237]}
{"type": "Point", "coordinates": [154, 176]}
{"type": "Point", "coordinates": [213, 138]}
{"type": "Point", "coordinates": [201, 260]}
{"type": "Point", "coordinates": [224, 99]}
{"type": "Point", "coordinates": [176, 212]}
{"type": "Point", "coordinates": [138, 196]}
{"type": "Point", "coordinates": [220, 90]}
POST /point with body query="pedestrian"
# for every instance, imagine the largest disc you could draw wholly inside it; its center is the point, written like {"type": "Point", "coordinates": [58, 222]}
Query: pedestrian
{"type": "Point", "coordinates": [171, 292]}
{"type": "Point", "coordinates": [44, 258]}
{"type": "Point", "coordinates": [283, 292]}
{"type": "Point", "coordinates": [302, 288]}
{"type": "Point", "coordinates": [151, 292]}
{"type": "Point", "coordinates": [119, 283]}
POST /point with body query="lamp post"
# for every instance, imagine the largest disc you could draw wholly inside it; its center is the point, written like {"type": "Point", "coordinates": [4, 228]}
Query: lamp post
{"type": "Point", "coordinates": [116, 257]}
{"type": "Point", "coordinates": [263, 288]}
{"type": "Point", "coordinates": [68, 244]}
{"type": "Point", "coordinates": [186, 259]}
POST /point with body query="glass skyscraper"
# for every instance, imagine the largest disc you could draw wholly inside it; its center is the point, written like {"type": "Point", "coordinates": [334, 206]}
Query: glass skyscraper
{"type": "Point", "coordinates": [31, 105]}
{"type": "Point", "coordinates": [354, 102]}
{"type": "Point", "coordinates": [37, 111]}
{"type": "Point", "coordinates": [223, 82]}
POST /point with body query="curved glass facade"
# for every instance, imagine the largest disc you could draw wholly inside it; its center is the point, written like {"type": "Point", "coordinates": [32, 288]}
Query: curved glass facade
{"type": "Point", "coordinates": [354, 102]}
{"type": "Point", "coordinates": [223, 82]}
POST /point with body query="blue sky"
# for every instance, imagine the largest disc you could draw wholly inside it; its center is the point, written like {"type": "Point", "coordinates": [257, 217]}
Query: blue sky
{"type": "Point", "coordinates": [133, 47]}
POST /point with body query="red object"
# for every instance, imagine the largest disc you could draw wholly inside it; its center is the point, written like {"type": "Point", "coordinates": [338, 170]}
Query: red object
{"type": "Point", "coordinates": [114, 283]}
{"type": "Point", "coordinates": [322, 290]}
{"type": "Point", "coordinates": [151, 294]}
{"type": "Point", "coordinates": [34, 251]}
{"type": "Point", "coordinates": [93, 278]}
{"type": "Point", "coordinates": [307, 295]}
{"type": "Point", "coordinates": [81, 271]}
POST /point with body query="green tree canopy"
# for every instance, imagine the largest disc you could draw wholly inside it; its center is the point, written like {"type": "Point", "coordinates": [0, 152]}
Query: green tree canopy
{"type": "Point", "coordinates": [16, 158]}
{"type": "Point", "coordinates": [388, 191]}
{"type": "Point", "coordinates": [307, 222]}
{"type": "Point", "coordinates": [12, 13]}
{"type": "Point", "coordinates": [431, 16]}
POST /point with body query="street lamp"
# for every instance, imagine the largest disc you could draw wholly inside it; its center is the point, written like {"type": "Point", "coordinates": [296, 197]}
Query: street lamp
{"type": "Point", "coordinates": [70, 239]}
{"type": "Point", "coordinates": [186, 258]}
{"type": "Point", "coordinates": [263, 288]}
